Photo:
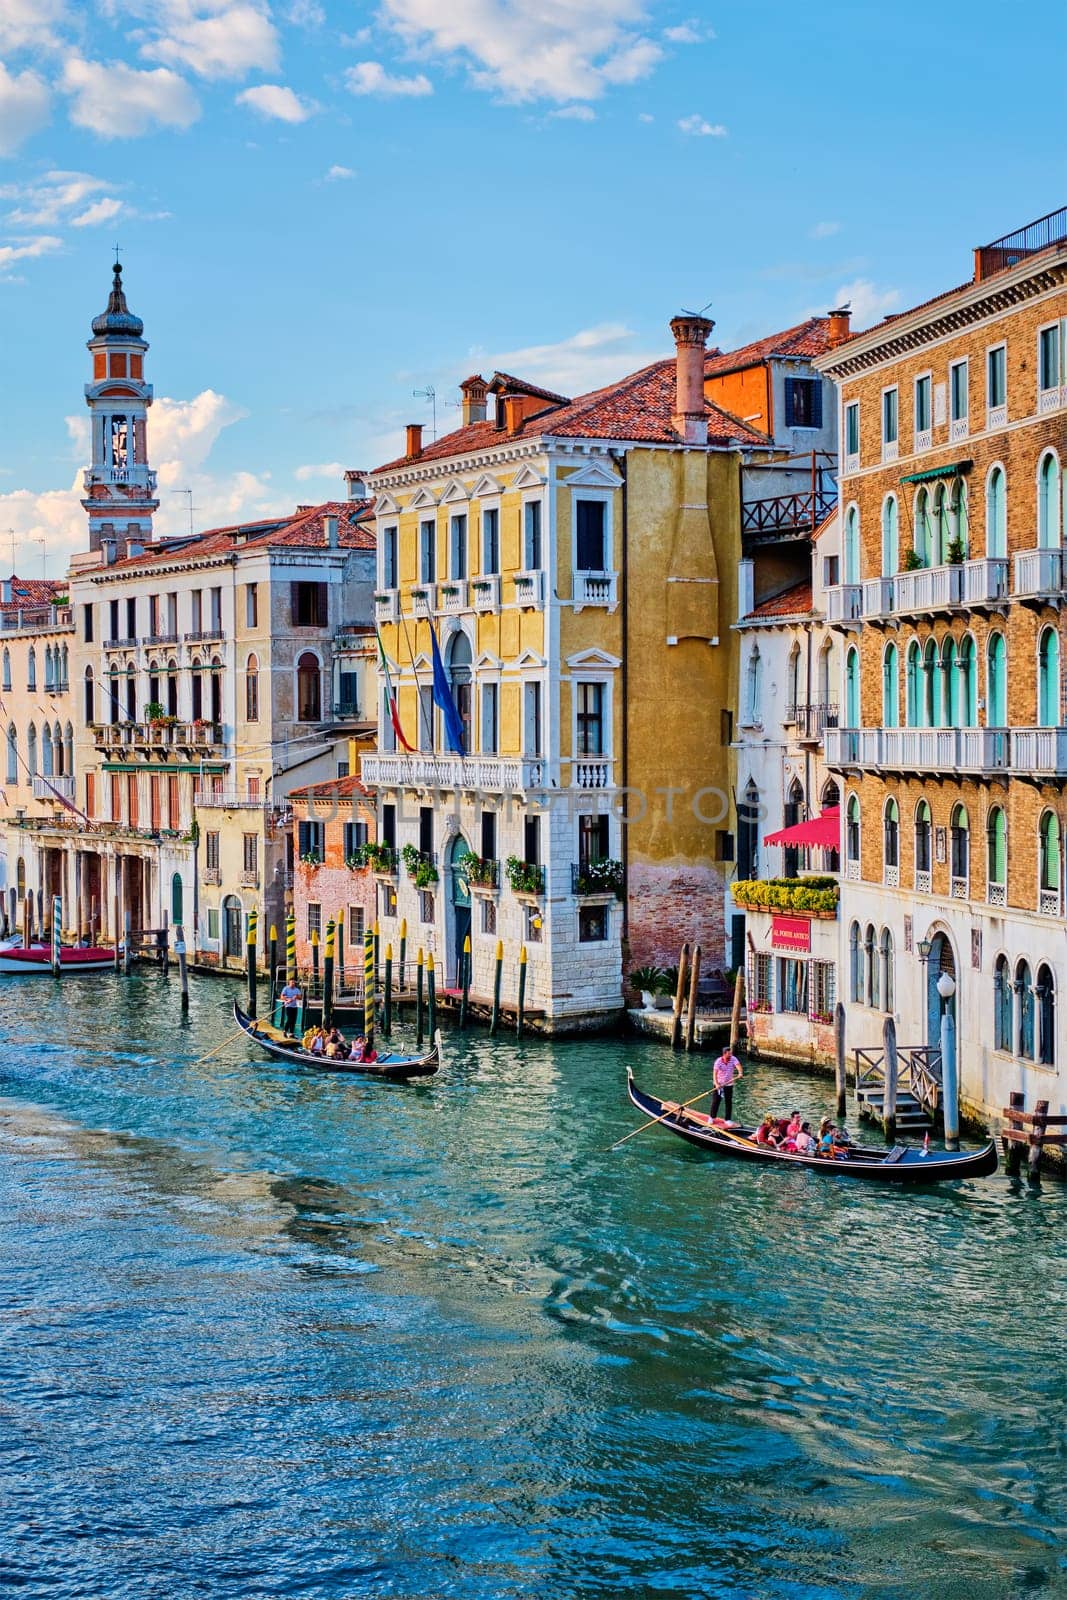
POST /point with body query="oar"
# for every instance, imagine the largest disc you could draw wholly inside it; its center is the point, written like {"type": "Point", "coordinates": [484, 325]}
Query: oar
{"type": "Point", "coordinates": [230, 1039]}
{"type": "Point", "coordinates": [673, 1112]}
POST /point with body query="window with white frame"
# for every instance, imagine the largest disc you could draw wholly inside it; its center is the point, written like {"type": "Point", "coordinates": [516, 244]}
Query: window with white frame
{"type": "Point", "coordinates": [457, 546]}
{"type": "Point", "coordinates": [213, 923]}
{"type": "Point", "coordinates": [532, 552]}
{"type": "Point", "coordinates": [590, 535]}
{"type": "Point", "coordinates": [592, 924]}
{"type": "Point", "coordinates": [356, 926]}
{"type": "Point", "coordinates": [923, 410]}
{"type": "Point", "coordinates": [761, 983]}
{"type": "Point", "coordinates": [890, 418]}
{"type": "Point", "coordinates": [389, 557]}
{"type": "Point", "coordinates": [314, 918]}
{"type": "Point", "coordinates": [590, 730]}
{"type": "Point", "coordinates": [958, 396]}
{"type": "Point", "coordinates": [488, 914]}
{"type": "Point", "coordinates": [754, 689]}
{"type": "Point", "coordinates": [793, 985]}
{"type": "Point", "coordinates": [490, 718]}
{"type": "Point", "coordinates": [852, 434]}
{"type": "Point", "coordinates": [490, 540]}
{"type": "Point", "coordinates": [534, 925]}
{"type": "Point", "coordinates": [428, 551]}
{"type": "Point", "coordinates": [1051, 357]}
{"type": "Point", "coordinates": [822, 991]}
{"type": "Point", "coordinates": [996, 397]}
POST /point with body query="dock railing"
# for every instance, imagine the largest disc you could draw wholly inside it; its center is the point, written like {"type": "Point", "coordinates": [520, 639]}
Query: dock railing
{"type": "Point", "coordinates": [919, 1071]}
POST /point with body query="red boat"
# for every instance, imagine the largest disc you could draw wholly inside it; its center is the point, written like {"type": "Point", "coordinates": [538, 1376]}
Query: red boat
{"type": "Point", "coordinates": [17, 962]}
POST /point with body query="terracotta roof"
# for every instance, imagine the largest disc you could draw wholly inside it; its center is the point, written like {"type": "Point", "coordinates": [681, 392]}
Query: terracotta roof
{"type": "Point", "coordinates": [794, 602]}
{"type": "Point", "coordinates": [638, 407]}
{"type": "Point", "coordinates": [506, 383]}
{"type": "Point", "coordinates": [355, 531]}
{"type": "Point", "coordinates": [331, 789]}
{"type": "Point", "coordinates": [27, 592]}
{"type": "Point", "coordinates": [806, 339]}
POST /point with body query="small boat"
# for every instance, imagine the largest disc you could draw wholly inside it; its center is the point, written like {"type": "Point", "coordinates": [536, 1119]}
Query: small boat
{"type": "Point", "coordinates": [901, 1164]}
{"type": "Point", "coordinates": [395, 1067]}
{"type": "Point", "coordinates": [17, 962]}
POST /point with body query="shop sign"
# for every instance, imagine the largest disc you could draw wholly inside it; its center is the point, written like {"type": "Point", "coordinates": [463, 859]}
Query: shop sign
{"type": "Point", "coordinates": [791, 933]}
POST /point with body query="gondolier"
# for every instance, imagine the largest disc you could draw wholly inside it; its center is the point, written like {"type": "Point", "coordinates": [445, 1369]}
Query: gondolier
{"type": "Point", "coordinates": [290, 998]}
{"type": "Point", "coordinates": [726, 1072]}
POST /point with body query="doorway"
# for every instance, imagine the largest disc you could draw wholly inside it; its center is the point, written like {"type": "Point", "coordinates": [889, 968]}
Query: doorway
{"type": "Point", "coordinates": [231, 928]}
{"type": "Point", "coordinates": [461, 902]}
{"type": "Point", "coordinates": [941, 959]}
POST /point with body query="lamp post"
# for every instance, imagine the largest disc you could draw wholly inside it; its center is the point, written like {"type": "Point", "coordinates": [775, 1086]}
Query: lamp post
{"type": "Point", "coordinates": [946, 988]}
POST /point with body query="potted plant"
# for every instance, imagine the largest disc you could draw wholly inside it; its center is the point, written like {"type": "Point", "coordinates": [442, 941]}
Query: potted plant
{"type": "Point", "coordinates": [425, 876]}
{"type": "Point", "coordinates": [357, 860]}
{"type": "Point", "coordinates": [480, 871]}
{"type": "Point", "coordinates": [525, 877]}
{"type": "Point", "coordinates": [646, 981]}
{"type": "Point", "coordinates": [912, 561]}
{"type": "Point", "coordinates": [599, 877]}
{"type": "Point", "coordinates": [666, 989]}
{"type": "Point", "coordinates": [310, 858]}
{"type": "Point", "coordinates": [378, 856]}
{"type": "Point", "coordinates": [955, 551]}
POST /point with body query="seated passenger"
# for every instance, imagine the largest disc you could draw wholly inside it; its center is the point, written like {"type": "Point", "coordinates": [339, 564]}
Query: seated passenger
{"type": "Point", "coordinates": [369, 1053]}
{"type": "Point", "coordinates": [358, 1047]}
{"type": "Point", "coordinates": [767, 1132]}
{"type": "Point", "coordinates": [336, 1047]}
{"type": "Point", "coordinates": [318, 1042]}
{"type": "Point", "coordinates": [793, 1126]}
{"type": "Point", "coordinates": [805, 1140]}
{"type": "Point", "coordinates": [826, 1137]}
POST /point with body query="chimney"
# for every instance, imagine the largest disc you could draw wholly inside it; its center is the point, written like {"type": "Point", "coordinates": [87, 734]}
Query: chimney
{"type": "Point", "coordinates": [329, 527]}
{"type": "Point", "coordinates": [357, 484]}
{"type": "Point", "coordinates": [474, 390]}
{"type": "Point", "coordinates": [414, 441]}
{"type": "Point", "coordinates": [690, 419]}
{"type": "Point", "coordinates": [839, 325]}
{"type": "Point", "coordinates": [109, 548]}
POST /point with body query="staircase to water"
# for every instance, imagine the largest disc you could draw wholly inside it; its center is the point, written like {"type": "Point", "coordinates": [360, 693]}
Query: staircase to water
{"type": "Point", "coordinates": [918, 1087]}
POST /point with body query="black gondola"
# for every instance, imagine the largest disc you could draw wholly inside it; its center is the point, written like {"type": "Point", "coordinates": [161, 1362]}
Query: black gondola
{"type": "Point", "coordinates": [397, 1068]}
{"type": "Point", "coordinates": [902, 1164]}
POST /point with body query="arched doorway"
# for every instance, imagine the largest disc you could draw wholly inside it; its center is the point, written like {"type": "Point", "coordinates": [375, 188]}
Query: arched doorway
{"type": "Point", "coordinates": [460, 895]}
{"type": "Point", "coordinates": [176, 900]}
{"type": "Point", "coordinates": [460, 660]}
{"type": "Point", "coordinates": [231, 928]}
{"type": "Point", "coordinates": [308, 688]}
{"type": "Point", "coordinates": [942, 959]}
{"type": "Point", "coordinates": [794, 813]}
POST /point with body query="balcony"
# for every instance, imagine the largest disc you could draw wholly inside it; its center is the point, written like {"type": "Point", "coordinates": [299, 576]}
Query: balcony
{"type": "Point", "coordinates": [452, 596]}
{"type": "Point", "coordinates": [978, 751]}
{"type": "Point", "coordinates": [249, 878]}
{"type": "Point", "coordinates": [37, 619]}
{"type": "Point", "coordinates": [592, 773]}
{"type": "Point", "coordinates": [212, 875]}
{"type": "Point", "coordinates": [594, 589]}
{"type": "Point", "coordinates": [1039, 752]}
{"type": "Point", "coordinates": [811, 721]}
{"type": "Point", "coordinates": [158, 735]}
{"type": "Point", "coordinates": [485, 593]}
{"type": "Point", "coordinates": [120, 644]}
{"type": "Point", "coordinates": [229, 800]}
{"type": "Point", "coordinates": [502, 774]}
{"type": "Point", "coordinates": [844, 603]}
{"type": "Point", "coordinates": [55, 788]}
{"type": "Point", "coordinates": [1039, 574]}
{"type": "Point", "coordinates": [529, 590]}
{"type": "Point", "coordinates": [386, 605]}
{"type": "Point", "coordinates": [423, 600]}
{"type": "Point", "coordinates": [785, 515]}
{"type": "Point", "coordinates": [346, 711]}
{"type": "Point", "coordinates": [211, 635]}
{"type": "Point", "coordinates": [483, 873]}
{"type": "Point", "coordinates": [164, 638]}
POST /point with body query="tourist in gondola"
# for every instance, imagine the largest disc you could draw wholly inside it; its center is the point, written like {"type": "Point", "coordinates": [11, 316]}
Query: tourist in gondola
{"type": "Point", "coordinates": [291, 997]}
{"type": "Point", "coordinates": [725, 1073]}
{"type": "Point", "coordinates": [767, 1132]}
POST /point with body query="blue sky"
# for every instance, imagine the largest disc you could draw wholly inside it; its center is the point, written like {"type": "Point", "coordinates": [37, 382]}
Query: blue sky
{"type": "Point", "coordinates": [322, 206]}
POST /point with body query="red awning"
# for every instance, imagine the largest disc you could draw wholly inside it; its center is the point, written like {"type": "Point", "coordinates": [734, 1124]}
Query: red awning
{"type": "Point", "coordinates": [819, 833]}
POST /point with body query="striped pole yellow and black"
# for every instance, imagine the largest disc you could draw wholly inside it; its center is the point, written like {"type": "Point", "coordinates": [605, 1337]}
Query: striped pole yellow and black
{"type": "Point", "coordinates": [327, 976]}
{"type": "Point", "coordinates": [253, 920]}
{"type": "Point", "coordinates": [340, 968]}
{"type": "Point", "coordinates": [290, 947]}
{"type": "Point", "coordinates": [368, 986]}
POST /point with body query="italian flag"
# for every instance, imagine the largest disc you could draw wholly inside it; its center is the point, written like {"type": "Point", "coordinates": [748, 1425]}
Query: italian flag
{"type": "Point", "coordinates": [394, 714]}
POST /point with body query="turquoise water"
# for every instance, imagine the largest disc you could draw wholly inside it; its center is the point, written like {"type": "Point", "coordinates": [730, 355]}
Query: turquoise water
{"type": "Point", "coordinates": [264, 1333]}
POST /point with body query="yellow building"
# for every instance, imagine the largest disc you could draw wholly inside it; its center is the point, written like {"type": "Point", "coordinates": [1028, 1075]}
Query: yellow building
{"type": "Point", "coordinates": [577, 561]}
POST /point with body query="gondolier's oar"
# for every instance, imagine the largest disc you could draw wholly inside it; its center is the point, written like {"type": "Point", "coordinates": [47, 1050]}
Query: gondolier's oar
{"type": "Point", "coordinates": [231, 1039]}
{"type": "Point", "coordinates": [673, 1112]}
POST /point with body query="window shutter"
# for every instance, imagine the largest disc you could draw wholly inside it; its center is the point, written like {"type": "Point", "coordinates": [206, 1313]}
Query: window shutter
{"type": "Point", "coordinates": [816, 402]}
{"type": "Point", "coordinates": [294, 605]}
{"type": "Point", "coordinates": [322, 604]}
{"type": "Point", "coordinates": [303, 834]}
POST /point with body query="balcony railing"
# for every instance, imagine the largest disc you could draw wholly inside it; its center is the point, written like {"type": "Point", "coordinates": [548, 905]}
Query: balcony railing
{"type": "Point", "coordinates": [964, 750]}
{"type": "Point", "coordinates": [1015, 247]}
{"type": "Point", "coordinates": [452, 596]}
{"type": "Point", "coordinates": [164, 638]}
{"type": "Point", "coordinates": [1039, 750]}
{"type": "Point", "coordinates": [787, 513]}
{"type": "Point", "coordinates": [249, 878]}
{"type": "Point", "coordinates": [485, 592]}
{"type": "Point", "coordinates": [591, 772]}
{"type": "Point", "coordinates": [198, 635]}
{"type": "Point", "coordinates": [529, 590]}
{"type": "Point", "coordinates": [844, 602]}
{"type": "Point", "coordinates": [594, 589]}
{"type": "Point", "coordinates": [212, 875]}
{"type": "Point", "coordinates": [229, 800]}
{"type": "Point", "coordinates": [386, 605]}
{"type": "Point", "coordinates": [983, 582]}
{"type": "Point", "coordinates": [1039, 573]}
{"type": "Point", "coordinates": [423, 600]}
{"type": "Point", "coordinates": [810, 721]}
{"type": "Point", "coordinates": [54, 788]}
{"type": "Point", "coordinates": [346, 710]}
{"type": "Point", "coordinates": [37, 619]}
{"type": "Point", "coordinates": [120, 644]}
{"type": "Point", "coordinates": [416, 771]}
{"type": "Point", "coordinates": [112, 735]}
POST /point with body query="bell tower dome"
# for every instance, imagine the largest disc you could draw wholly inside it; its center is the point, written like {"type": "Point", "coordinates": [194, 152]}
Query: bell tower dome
{"type": "Point", "coordinates": [120, 487]}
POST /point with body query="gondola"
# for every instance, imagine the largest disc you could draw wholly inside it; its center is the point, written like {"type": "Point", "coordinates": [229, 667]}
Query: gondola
{"type": "Point", "coordinates": [901, 1164]}
{"type": "Point", "coordinates": [37, 960]}
{"type": "Point", "coordinates": [396, 1068]}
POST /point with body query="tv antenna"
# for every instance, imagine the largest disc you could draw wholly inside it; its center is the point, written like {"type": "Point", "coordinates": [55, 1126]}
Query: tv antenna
{"type": "Point", "coordinates": [430, 394]}
{"type": "Point", "coordinates": [189, 492]}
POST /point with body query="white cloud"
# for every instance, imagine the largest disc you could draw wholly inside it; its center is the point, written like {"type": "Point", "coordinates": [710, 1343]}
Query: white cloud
{"type": "Point", "coordinates": [320, 469]}
{"type": "Point", "coordinates": [118, 102]}
{"type": "Point", "coordinates": [29, 24]}
{"type": "Point", "coordinates": [99, 211]}
{"type": "Point", "coordinates": [275, 100]}
{"type": "Point", "coordinates": [586, 360]}
{"type": "Point", "coordinates": [370, 77]}
{"type": "Point", "coordinates": [869, 303]}
{"type": "Point", "coordinates": [338, 174]}
{"type": "Point", "coordinates": [26, 250]}
{"type": "Point", "coordinates": [824, 230]}
{"type": "Point", "coordinates": [24, 107]}
{"type": "Point", "coordinates": [49, 200]}
{"type": "Point", "coordinates": [645, 116]}
{"type": "Point", "coordinates": [305, 14]}
{"type": "Point", "coordinates": [691, 32]}
{"type": "Point", "coordinates": [699, 129]}
{"type": "Point", "coordinates": [575, 113]}
{"type": "Point", "coordinates": [213, 38]}
{"type": "Point", "coordinates": [531, 49]}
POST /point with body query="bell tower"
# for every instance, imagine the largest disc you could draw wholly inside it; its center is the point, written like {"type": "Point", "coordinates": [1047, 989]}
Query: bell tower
{"type": "Point", "coordinates": [120, 487]}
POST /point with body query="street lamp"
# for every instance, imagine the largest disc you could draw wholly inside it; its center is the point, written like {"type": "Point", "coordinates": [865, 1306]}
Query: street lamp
{"type": "Point", "coordinates": [950, 1091]}
{"type": "Point", "coordinates": [946, 988]}
{"type": "Point", "coordinates": [924, 947]}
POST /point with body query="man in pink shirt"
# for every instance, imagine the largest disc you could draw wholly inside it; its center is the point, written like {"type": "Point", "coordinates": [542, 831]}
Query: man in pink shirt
{"type": "Point", "coordinates": [725, 1073]}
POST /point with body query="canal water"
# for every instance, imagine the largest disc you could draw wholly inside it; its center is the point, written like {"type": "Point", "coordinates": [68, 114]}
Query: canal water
{"type": "Point", "coordinates": [264, 1333]}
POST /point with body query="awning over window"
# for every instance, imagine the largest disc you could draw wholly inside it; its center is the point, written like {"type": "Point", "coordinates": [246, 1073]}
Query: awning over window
{"type": "Point", "coordinates": [818, 833]}
{"type": "Point", "coordinates": [951, 469]}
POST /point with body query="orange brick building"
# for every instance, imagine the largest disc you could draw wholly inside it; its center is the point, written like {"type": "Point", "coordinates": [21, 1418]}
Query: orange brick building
{"type": "Point", "coordinates": [331, 822]}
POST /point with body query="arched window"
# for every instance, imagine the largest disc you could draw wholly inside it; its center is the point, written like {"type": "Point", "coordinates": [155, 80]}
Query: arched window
{"type": "Point", "coordinates": [90, 698]}
{"type": "Point", "coordinates": [114, 708]}
{"type": "Point", "coordinates": [68, 750]}
{"type": "Point", "coordinates": [961, 852]}
{"type": "Point", "coordinates": [172, 688]}
{"type": "Point", "coordinates": [888, 974]}
{"type": "Point", "coordinates": [923, 529]}
{"type": "Point", "coordinates": [891, 840]}
{"type": "Point", "coordinates": [793, 695]}
{"type": "Point", "coordinates": [12, 755]}
{"type": "Point", "coordinates": [1003, 1005]}
{"type": "Point", "coordinates": [308, 688]}
{"type": "Point", "coordinates": [153, 684]}
{"type": "Point", "coordinates": [852, 834]}
{"type": "Point", "coordinates": [923, 832]}
{"type": "Point", "coordinates": [794, 813]}
{"type": "Point", "coordinates": [852, 545]}
{"type": "Point", "coordinates": [49, 682]}
{"type": "Point", "coordinates": [931, 686]}
{"type": "Point", "coordinates": [64, 667]}
{"type": "Point", "coordinates": [31, 669]}
{"type": "Point", "coordinates": [950, 684]}
{"type": "Point", "coordinates": [47, 762]}
{"type": "Point", "coordinates": [748, 820]}
{"type": "Point", "coordinates": [890, 687]}
{"type": "Point", "coordinates": [754, 700]}
{"type": "Point", "coordinates": [1048, 679]}
{"type": "Point", "coordinates": [1049, 510]}
{"type": "Point", "coordinates": [996, 856]}
{"type": "Point", "coordinates": [216, 690]}
{"type": "Point", "coordinates": [855, 964]}
{"type": "Point", "coordinates": [1049, 862]}
{"type": "Point", "coordinates": [460, 660]}
{"type": "Point", "coordinates": [942, 534]}
{"type": "Point", "coordinates": [31, 749]}
{"type": "Point", "coordinates": [252, 689]}
{"type": "Point", "coordinates": [1045, 995]}
{"type": "Point", "coordinates": [196, 679]}
{"type": "Point", "coordinates": [7, 668]}
{"type": "Point", "coordinates": [852, 688]}
{"type": "Point", "coordinates": [131, 694]}
{"type": "Point", "coordinates": [1024, 1011]}
{"type": "Point", "coordinates": [968, 683]}
{"type": "Point", "coordinates": [914, 696]}
{"type": "Point", "coordinates": [58, 752]}
{"type": "Point", "coordinates": [959, 520]}
{"type": "Point", "coordinates": [996, 682]}
{"type": "Point", "coordinates": [996, 514]}
{"type": "Point", "coordinates": [827, 685]}
{"type": "Point", "coordinates": [870, 951]}
{"type": "Point", "coordinates": [890, 537]}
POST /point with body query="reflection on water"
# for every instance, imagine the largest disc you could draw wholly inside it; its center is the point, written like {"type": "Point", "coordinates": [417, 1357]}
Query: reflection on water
{"type": "Point", "coordinates": [269, 1333]}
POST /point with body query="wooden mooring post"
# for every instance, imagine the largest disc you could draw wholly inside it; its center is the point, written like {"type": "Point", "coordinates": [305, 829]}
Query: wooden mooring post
{"type": "Point", "coordinates": [735, 1012]}
{"type": "Point", "coordinates": [889, 1044]}
{"type": "Point", "coordinates": [840, 1063]}
{"type": "Point", "coordinates": [183, 970]}
{"type": "Point", "coordinates": [679, 998]}
{"type": "Point", "coordinates": [691, 1010]}
{"type": "Point", "coordinates": [1029, 1130]}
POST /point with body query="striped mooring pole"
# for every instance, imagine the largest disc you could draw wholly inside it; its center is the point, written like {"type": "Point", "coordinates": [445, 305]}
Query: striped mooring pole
{"type": "Point", "coordinates": [377, 950]}
{"type": "Point", "coordinates": [368, 988]}
{"type": "Point", "coordinates": [290, 947]}
{"type": "Point", "coordinates": [494, 1021]}
{"type": "Point", "coordinates": [465, 981]}
{"type": "Point", "coordinates": [253, 923]}
{"type": "Point", "coordinates": [403, 952]}
{"type": "Point", "coordinates": [420, 1016]}
{"type": "Point", "coordinates": [272, 960]}
{"type": "Point", "coordinates": [522, 993]}
{"type": "Point", "coordinates": [314, 959]}
{"type": "Point", "coordinates": [340, 953]}
{"type": "Point", "coordinates": [387, 1014]}
{"type": "Point", "coordinates": [327, 975]}
{"type": "Point", "coordinates": [431, 996]}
